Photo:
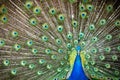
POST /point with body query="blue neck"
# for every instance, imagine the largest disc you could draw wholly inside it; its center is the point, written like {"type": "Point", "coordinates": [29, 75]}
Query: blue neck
{"type": "Point", "coordinates": [77, 72]}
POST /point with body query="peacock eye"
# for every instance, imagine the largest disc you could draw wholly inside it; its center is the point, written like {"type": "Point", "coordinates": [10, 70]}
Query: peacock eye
{"type": "Point", "coordinates": [44, 38]}
{"type": "Point", "coordinates": [83, 15]}
{"type": "Point", "coordinates": [87, 67]}
{"type": "Point", "coordinates": [93, 50]}
{"type": "Point", "coordinates": [34, 51]}
{"type": "Point", "coordinates": [69, 45]}
{"type": "Point", "coordinates": [91, 27]}
{"type": "Point", "coordinates": [107, 65]}
{"type": "Point", "coordinates": [13, 71]}
{"type": "Point", "coordinates": [90, 7]}
{"type": "Point", "coordinates": [4, 19]}
{"type": "Point", "coordinates": [33, 21]}
{"type": "Point", "coordinates": [48, 51]}
{"type": "Point", "coordinates": [81, 35]}
{"type": "Point", "coordinates": [40, 72]}
{"type": "Point", "coordinates": [108, 49]}
{"type": "Point", "coordinates": [28, 4]}
{"type": "Point", "coordinates": [94, 39]}
{"type": "Point", "coordinates": [53, 57]}
{"type": "Point", "coordinates": [61, 17]}
{"type": "Point", "coordinates": [82, 44]}
{"type": "Point", "coordinates": [102, 57]}
{"type": "Point", "coordinates": [23, 62]}
{"type": "Point", "coordinates": [82, 7]}
{"type": "Point", "coordinates": [114, 57]}
{"type": "Point", "coordinates": [102, 22]}
{"type": "Point", "coordinates": [3, 9]}
{"type": "Point", "coordinates": [60, 28]}
{"type": "Point", "coordinates": [74, 23]}
{"type": "Point", "coordinates": [31, 66]}
{"type": "Point", "coordinates": [87, 56]}
{"type": "Point", "coordinates": [52, 11]}
{"type": "Point", "coordinates": [6, 62]}
{"type": "Point", "coordinates": [60, 50]}
{"type": "Point", "coordinates": [59, 69]}
{"type": "Point", "coordinates": [117, 72]}
{"type": "Point", "coordinates": [2, 43]}
{"type": "Point", "coordinates": [42, 61]}
{"type": "Point", "coordinates": [58, 41]}
{"type": "Point", "coordinates": [109, 8]}
{"type": "Point", "coordinates": [75, 42]}
{"type": "Point", "coordinates": [29, 43]}
{"type": "Point", "coordinates": [49, 66]}
{"type": "Point", "coordinates": [45, 26]}
{"type": "Point", "coordinates": [96, 69]}
{"type": "Point", "coordinates": [69, 36]}
{"type": "Point", "coordinates": [108, 37]}
{"type": "Point", "coordinates": [36, 10]}
{"type": "Point", "coordinates": [117, 23]}
{"type": "Point", "coordinates": [17, 47]}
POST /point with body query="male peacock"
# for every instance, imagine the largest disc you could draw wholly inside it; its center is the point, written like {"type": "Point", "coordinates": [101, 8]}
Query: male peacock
{"type": "Point", "coordinates": [59, 40]}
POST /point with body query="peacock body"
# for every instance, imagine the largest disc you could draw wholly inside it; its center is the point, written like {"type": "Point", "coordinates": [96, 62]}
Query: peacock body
{"type": "Point", "coordinates": [59, 40]}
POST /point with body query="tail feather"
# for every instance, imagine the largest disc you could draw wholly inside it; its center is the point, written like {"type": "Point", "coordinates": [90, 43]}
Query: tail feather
{"type": "Point", "coordinates": [38, 37]}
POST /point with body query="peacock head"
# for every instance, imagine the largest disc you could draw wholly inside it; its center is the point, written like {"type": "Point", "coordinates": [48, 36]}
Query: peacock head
{"type": "Point", "coordinates": [78, 48]}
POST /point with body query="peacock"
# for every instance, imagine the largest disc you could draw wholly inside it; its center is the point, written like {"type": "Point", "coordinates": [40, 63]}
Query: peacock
{"type": "Point", "coordinates": [59, 40]}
